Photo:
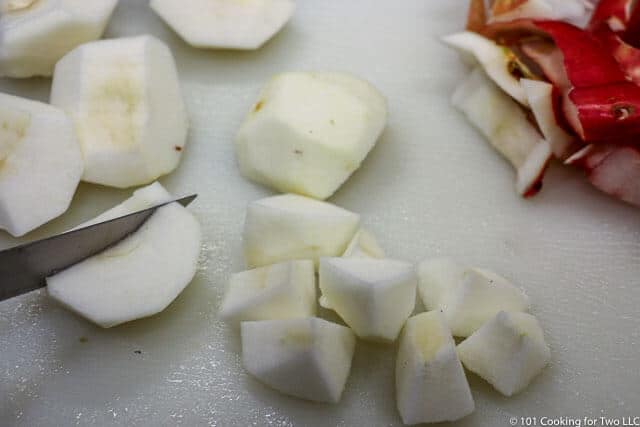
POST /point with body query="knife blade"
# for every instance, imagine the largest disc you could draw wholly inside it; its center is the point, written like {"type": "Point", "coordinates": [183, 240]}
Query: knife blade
{"type": "Point", "coordinates": [24, 268]}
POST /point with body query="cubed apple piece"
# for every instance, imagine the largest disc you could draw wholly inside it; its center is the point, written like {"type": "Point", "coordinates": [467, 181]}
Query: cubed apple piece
{"type": "Point", "coordinates": [40, 163]}
{"type": "Point", "coordinates": [364, 245]}
{"type": "Point", "coordinates": [306, 358]}
{"type": "Point", "coordinates": [508, 351]}
{"type": "Point", "coordinates": [288, 227]}
{"type": "Point", "coordinates": [229, 24]}
{"type": "Point", "coordinates": [507, 129]}
{"type": "Point", "coordinates": [436, 278]}
{"type": "Point", "coordinates": [308, 132]}
{"type": "Point", "coordinates": [138, 277]}
{"type": "Point", "coordinates": [373, 296]}
{"type": "Point", "coordinates": [431, 386]}
{"type": "Point", "coordinates": [125, 100]}
{"type": "Point", "coordinates": [279, 291]}
{"type": "Point", "coordinates": [35, 34]}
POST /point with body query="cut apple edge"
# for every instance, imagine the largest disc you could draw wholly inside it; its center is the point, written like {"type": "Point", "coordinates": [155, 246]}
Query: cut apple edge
{"type": "Point", "coordinates": [531, 172]}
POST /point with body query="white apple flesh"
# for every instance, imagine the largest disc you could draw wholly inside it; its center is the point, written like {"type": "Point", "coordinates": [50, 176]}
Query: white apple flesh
{"type": "Point", "coordinates": [573, 11]}
{"type": "Point", "coordinates": [138, 277]}
{"type": "Point", "coordinates": [229, 24]}
{"type": "Point", "coordinates": [289, 227]}
{"type": "Point", "coordinates": [364, 245]}
{"type": "Point", "coordinates": [306, 358]}
{"type": "Point", "coordinates": [437, 277]}
{"type": "Point", "coordinates": [125, 100]}
{"type": "Point", "coordinates": [506, 127]}
{"type": "Point", "coordinates": [40, 163]}
{"type": "Point", "coordinates": [431, 386]}
{"type": "Point", "coordinates": [35, 34]}
{"type": "Point", "coordinates": [373, 296]}
{"type": "Point", "coordinates": [279, 291]}
{"type": "Point", "coordinates": [508, 351]}
{"type": "Point", "coordinates": [308, 132]}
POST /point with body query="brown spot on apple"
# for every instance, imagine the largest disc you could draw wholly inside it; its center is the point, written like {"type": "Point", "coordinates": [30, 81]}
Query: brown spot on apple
{"type": "Point", "coordinates": [177, 148]}
{"type": "Point", "coordinates": [258, 106]}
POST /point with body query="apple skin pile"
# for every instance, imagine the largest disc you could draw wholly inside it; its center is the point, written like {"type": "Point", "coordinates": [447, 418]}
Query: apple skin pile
{"type": "Point", "coordinates": [588, 52]}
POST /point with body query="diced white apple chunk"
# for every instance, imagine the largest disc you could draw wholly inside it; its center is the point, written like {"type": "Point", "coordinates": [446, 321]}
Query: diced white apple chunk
{"type": "Point", "coordinates": [306, 358]}
{"type": "Point", "coordinates": [229, 24]}
{"type": "Point", "coordinates": [506, 127]}
{"type": "Point", "coordinates": [431, 386]}
{"type": "Point", "coordinates": [40, 163]}
{"type": "Point", "coordinates": [35, 34]}
{"type": "Point", "coordinates": [436, 278]}
{"type": "Point", "coordinates": [288, 227]}
{"type": "Point", "coordinates": [508, 351]}
{"type": "Point", "coordinates": [308, 132]}
{"type": "Point", "coordinates": [279, 291]}
{"type": "Point", "coordinates": [125, 100]}
{"type": "Point", "coordinates": [373, 296]}
{"type": "Point", "coordinates": [364, 245]}
{"type": "Point", "coordinates": [540, 97]}
{"type": "Point", "coordinates": [138, 277]}
{"type": "Point", "coordinates": [496, 61]}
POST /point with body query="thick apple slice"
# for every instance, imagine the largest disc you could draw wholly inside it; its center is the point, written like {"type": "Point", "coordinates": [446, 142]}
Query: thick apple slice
{"type": "Point", "coordinates": [508, 351]}
{"type": "Point", "coordinates": [35, 34]}
{"type": "Point", "coordinates": [124, 98]}
{"type": "Point", "coordinates": [497, 61]}
{"type": "Point", "coordinates": [541, 100]}
{"type": "Point", "coordinates": [436, 278]}
{"type": "Point", "coordinates": [308, 132]}
{"type": "Point", "coordinates": [431, 386]}
{"type": "Point", "coordinates": [229, 24]}
{"type": "Point", "coordinates": [364, 245]}
{"type": "Point", "coordinates": [288, 227]}
{"type": "Point", "coordinates": [506, 127]}
{"type": "Point", "coordinates": [40, 163]}
{"type": "Point", "coordinates": [373, 296]}
{"type": "Point", "coordinates": [306, 358]}
{"type": "Point", "coordinates": [138, 277]}
{"type": "Point", "coordinates": [279, 291]}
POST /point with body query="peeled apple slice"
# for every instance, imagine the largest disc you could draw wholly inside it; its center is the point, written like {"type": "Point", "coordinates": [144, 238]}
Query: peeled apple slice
{"type": "Point", "coordinates": [508, 351]}
{"type": "Point", "coordinates": [35, 34]}
{"type": "Point", "coordinates": [288, 227]}
{"type": "Point", "coordinates": [506, 127]}
{"type": "Point", "coordinates": [308, 132]}
{"type": "Point", "coordinates": [124, 98]}
{"type": "Point", "coordinates": [540, 97]}
{"type": "Point", "coordinates": [497, 61]}
{"type": "Point", "coordinates": [373, 296]}
{"type": "Point", "coordinates": [364, 245]}
{"type": "Point", "coordinates": [431, 386]}
{"type": "Point", "coordinates": [40, 163]}
{"type": "Point", "coordinates": [436, 278]}
{"type": "Point", "coordinates": [138, 277]}
{"type": "Point", "coordinates": [230, 24]}
{"type": "Point", "coordinates": [306, 358]}
{"type": "Point", "coordinates": [278, 291]}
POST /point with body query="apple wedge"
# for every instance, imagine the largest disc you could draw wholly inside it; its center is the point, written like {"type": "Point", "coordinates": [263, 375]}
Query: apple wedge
{"type": "Point", "coordinates": [35, 34]}
{"type": "Point", "coordinates": [138, 277]}
{"type": "Point", "coordinates": [289, 227]}
{"type": "Point", "coordinates": [373, 296]}
{"type": "Point", "coordinates": [507, 129]}
{"type": "Point", "coordinates": [437, 277]}
{"type": "Point", "coordinates": [279, 291]}
{"type": "Point", "coordinates": [431, 386]}
{"type": "Point", "coordinates": [364, 245]}
{"type": "Point", "coordinates": [125, 100]}
{"type": "Point", "coordinates": [308, 132]}
{"type": "Point", "coordinates": [40, 163]}
{"type": "Point", "coordinates": [229, 24]}
{"type": "Point", "coordinates": [508, 351]}
{"type": "Point", "coordinates": [306, 358]}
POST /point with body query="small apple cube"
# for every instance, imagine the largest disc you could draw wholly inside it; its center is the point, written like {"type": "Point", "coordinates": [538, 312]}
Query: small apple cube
{"type": "Point", "coordinates": [308, 132]}
{"type": "Point", "coordinates": [508, 351]}
{"type": "Point", "coordinates": [364, 245]}
{"type": "Point", "coordinates": [35, 34]}
{"type": "Point", "coordinates": [431, 386]}
{"type": "Point", "coordinates": [436, 277]}
{"type": "Point", "coordinates": [373, 296]}
{"type": "Point", "coordinates": [306, 358]}
{"type": "Point", "coordinates": [278, 291]}
{"type": "Point", "coordinates": [288, 227]}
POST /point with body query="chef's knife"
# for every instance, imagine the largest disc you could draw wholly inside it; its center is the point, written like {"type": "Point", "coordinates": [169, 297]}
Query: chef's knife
{"type": "Point", "coordinates": [24, 268]}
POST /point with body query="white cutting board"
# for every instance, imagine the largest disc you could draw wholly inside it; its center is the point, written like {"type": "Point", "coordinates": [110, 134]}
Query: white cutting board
{"type": "Point", "coordinates": [430, 187]}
